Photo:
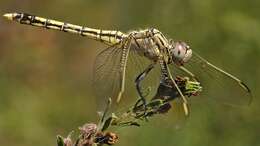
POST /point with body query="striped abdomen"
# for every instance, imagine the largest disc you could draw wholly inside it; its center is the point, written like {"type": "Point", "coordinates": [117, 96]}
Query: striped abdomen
{"type": "Point", "coordinates": [108, 36]}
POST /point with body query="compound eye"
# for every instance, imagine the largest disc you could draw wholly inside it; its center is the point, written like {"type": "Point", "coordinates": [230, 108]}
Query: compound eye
{"type": "Point", "coordinates": [179, 51]}
{"type": "Point", "coordinates": [188, 55]}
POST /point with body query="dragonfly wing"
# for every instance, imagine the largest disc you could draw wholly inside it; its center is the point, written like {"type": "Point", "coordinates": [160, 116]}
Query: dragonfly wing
{"type": "Point", "coordinates": [107, 76]}
{"type": "Point", "coordinates": [218, 85]}
{"type": "Point", "coordinates": [137, 64]}
{"type": "Point", "coordinates": [177, 114]}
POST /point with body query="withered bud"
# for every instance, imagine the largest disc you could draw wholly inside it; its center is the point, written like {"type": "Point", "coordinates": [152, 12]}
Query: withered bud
{"type": "Point", "coordinates": [108, 138]}
{"type": "Point", "coordinates": [68, 141]}
{"type": "Point", "coordinates": [112, 138]}
{"type": "Point", "coordinates": [88, 129]}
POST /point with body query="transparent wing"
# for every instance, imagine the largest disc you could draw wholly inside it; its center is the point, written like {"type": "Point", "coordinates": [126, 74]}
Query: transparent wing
{"type": "Point", "coordinates": [218, 85]}
{"type": "Point", "coordinates": [136, 65]}
{"type": "Point", "coordinates": [107, 76]}
{"type": "Point", "coordinates": [176, 115]}
{"type": "Point", "coordinates": [172, 113]}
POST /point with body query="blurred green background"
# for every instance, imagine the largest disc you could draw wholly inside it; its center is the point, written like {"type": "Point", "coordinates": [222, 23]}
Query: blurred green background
{"type": "Point", "coordinates": [45, 76]}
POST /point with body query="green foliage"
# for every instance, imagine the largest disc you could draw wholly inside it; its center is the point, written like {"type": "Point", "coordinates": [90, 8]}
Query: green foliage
{"type": "Point", "coordinates": [60, 141]}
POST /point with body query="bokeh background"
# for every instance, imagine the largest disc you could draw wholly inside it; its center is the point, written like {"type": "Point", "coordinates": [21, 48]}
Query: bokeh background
{"type": "Point", "coordinates": [45, 76]}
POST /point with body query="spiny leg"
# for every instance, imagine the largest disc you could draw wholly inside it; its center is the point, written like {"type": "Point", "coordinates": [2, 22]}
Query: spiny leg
{"type": "Point", "coordinates": [188, 72]}
{"type": "Point", "coordinates": [138, 80]}
{"type": "Point", "coordinates": [167, 74]}
{"type": "Point", "coordinates": [240, 83]}
{"type": "Point", "coordinates": [126, 48]}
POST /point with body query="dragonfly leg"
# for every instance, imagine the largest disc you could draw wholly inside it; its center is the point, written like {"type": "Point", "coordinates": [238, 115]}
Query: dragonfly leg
{"type": "Point", "coordinates": [167, 74]}
{"type": "Point", "coordinates": [138, 81]}
{"type": "Point", "coordinates": [188, 72]}
{"type": "Point", "coordinates": [126, 48]}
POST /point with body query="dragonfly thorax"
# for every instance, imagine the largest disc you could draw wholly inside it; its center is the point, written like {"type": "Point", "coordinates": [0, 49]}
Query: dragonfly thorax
{"type": "Point", "coordinates": [150, 43]}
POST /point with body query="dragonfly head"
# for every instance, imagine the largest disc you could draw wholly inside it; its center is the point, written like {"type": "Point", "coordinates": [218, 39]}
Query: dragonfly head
{"type": "Point", "coordinates": [181, 52]}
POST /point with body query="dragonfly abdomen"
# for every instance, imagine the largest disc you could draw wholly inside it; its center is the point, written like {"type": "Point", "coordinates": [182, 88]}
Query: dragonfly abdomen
{"type": "Point", "coordinates": [107, 36]}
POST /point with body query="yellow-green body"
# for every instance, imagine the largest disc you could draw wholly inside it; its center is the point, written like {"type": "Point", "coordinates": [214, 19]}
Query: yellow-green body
{"type": "Point", "coordinates": [109, 37]}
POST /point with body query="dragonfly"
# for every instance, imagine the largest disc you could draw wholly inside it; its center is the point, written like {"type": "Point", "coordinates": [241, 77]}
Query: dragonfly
{"type": "Point", "coordinates": [138, 51]}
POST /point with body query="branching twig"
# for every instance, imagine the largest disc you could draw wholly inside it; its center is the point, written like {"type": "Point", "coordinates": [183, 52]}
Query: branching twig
{"type": "Point", "coordinates": [97, 134]}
